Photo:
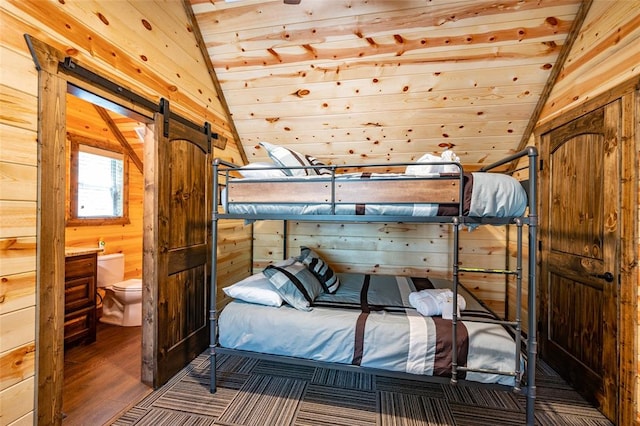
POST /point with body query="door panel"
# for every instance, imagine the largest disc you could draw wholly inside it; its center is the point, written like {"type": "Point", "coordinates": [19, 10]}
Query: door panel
{"type": "Point", "coordinates": [187, 204]}
{"type": "Point", "coordinates": [576, 331]}
{"type": "Point", "coordinates": [182, 246]}
{"type": "Point", "coordinates": [579, 234]}
{"type": "Point", "coordinates": [577, 219]}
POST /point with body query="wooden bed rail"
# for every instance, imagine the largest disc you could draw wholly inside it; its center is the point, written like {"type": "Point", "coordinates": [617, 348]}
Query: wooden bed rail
{"type": "Point", "coordinates": [331, 189]}
{"type": "Point", "coordinates": [349, 191]}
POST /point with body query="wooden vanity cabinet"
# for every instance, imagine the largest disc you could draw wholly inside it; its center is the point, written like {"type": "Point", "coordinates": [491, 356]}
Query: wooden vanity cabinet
{"type": "Point", "coordinates": [80, 299]}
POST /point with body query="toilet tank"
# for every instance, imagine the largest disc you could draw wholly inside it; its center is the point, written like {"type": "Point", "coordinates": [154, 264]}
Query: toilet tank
{"type": "Point", "coordinates": [110, 269]}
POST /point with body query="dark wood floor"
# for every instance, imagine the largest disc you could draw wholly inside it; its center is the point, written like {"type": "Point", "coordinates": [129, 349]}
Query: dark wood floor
{"type": "Point", "coordinates": [101, 380]}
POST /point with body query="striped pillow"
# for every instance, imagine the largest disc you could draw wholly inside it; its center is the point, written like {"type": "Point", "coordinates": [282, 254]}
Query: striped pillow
{"type": "Point", "coordinates": [315, 162]}
{"type": "Point", "coordinates": [295, 283]}
{"type": "Point", "coordinates": [286, 157]}
{"type": "Point", "coordinates": [320, 269]}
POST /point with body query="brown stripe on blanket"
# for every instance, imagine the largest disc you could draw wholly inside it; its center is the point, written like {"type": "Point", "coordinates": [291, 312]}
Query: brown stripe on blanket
{"type": "Point", "coordinates": [422, 283]}
{"type": "Point", "coordinates": [452, 209]}
{"type": "Point", "coordinates": [358, 346]}
{"type": "Point", "coordinates": [444, 338]}
{"type": "Point", "coordinates": [361, 209]}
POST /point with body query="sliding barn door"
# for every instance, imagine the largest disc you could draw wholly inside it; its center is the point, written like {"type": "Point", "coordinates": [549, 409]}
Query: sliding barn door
{"type": "Point", "coordinates": [177, 247]}
{"type": "Point", "coordinates": [580, 198]}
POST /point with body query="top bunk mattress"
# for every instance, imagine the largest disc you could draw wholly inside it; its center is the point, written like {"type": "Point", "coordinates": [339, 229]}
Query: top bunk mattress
{"type": "Point", "coordinates": [477, 194]}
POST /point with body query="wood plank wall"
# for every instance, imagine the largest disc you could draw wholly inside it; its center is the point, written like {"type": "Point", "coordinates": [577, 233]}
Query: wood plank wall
{"type": "Point", "coordinates": [234, 255]}
{"type": "Point", "coordinates": [18, 189]}
{"type": "Point", "coordinates": [607, 53]}
{"type": "Point", "coordinates": [136, 45]}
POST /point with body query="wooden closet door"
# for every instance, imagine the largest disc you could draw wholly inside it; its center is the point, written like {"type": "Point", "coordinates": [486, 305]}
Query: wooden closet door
{"type": "Point", "coordinates": [580, 205]}
{"type": "Point", "coordinates": [177, 251]}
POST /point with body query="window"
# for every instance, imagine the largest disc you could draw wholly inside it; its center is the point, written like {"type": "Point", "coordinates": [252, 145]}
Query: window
{"type": "Point", "coordinates": [98, 184]}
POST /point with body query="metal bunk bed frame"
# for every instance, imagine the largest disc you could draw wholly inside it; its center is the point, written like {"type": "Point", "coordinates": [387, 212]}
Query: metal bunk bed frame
{"type": "Point", "coordinates": [530, 219]}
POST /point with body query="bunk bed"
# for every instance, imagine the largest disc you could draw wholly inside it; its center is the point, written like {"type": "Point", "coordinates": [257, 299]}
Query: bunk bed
{"type": "Point", "coordinates": [330, 322]}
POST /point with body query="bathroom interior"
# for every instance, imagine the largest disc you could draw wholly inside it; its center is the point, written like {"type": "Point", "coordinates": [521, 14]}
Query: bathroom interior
{"type": "Point", "coordinates": [103, 317]}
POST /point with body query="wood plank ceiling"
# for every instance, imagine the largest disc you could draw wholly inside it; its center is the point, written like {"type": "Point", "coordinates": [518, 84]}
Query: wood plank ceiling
{"type": "Point", "coordinates": [381, 81]}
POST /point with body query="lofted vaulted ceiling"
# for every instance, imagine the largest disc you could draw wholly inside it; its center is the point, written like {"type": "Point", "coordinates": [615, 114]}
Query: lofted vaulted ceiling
{"type": "Point", "coordinates": [380, 81]}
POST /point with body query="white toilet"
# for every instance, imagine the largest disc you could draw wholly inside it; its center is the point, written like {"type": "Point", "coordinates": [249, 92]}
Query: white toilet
{"type": "Point", "coordinates": [122, 303]}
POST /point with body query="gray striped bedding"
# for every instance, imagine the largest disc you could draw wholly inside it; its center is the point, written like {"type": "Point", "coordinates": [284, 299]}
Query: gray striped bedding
{"type": "Point", "coordinates": [375, 328]}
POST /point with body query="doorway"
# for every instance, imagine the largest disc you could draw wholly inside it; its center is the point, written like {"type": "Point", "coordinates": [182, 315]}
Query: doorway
{"type": "Point", "coordinates": [102, 375]}
{"type": "Point", "coordinates": [173, 278]}
{"type": "Point", "coordinates": [588, 245]}
{"type": "Point", "coordinates": [580, 254]}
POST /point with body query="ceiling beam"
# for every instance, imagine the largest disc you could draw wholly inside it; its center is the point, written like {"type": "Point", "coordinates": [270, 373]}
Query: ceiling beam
{"type": "Point", "coordinates": [120, 137]}
{"type": "Point", "coordinates": [214, 78]}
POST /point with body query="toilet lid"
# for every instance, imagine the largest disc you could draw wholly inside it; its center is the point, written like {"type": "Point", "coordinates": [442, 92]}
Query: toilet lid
{"type": "Point", "coordinates": [129, 285]}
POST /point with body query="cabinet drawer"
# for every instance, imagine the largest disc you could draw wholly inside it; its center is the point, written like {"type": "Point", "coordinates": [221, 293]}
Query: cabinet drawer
{"type": "Point", "coordinates": [79, 292]}
{"type": "Point", "coordinates": [80, 325]}
{"type": "Point", "coordinates": [80, 266]}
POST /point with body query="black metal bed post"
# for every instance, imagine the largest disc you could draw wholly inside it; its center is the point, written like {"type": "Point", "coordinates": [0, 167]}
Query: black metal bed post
{"type": "Point", "coordinates": [285, 238]}
{"type": "Point", "coordinates": [518, 312]}
{"type": "Point", "coordinates": [532, 344]}
{"type": "Point", "coordinates": [454, 313]}
{"type": "Point", "coordinates": [507, 266]}
{"type": "Point", "coordinates": [456, 222]}
{"type": "Point", "coordinates": [213, 287]}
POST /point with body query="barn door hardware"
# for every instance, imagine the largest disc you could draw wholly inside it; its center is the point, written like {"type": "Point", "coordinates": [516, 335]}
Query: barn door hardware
{"type": "Point", "coordinates": [207, 132]}
{"type": "Point", "coordinates": [167, 116]}
{"type": "Point", "coordinates": [607, 276]}
{"type": "Point", "coordinates": [70, 67]}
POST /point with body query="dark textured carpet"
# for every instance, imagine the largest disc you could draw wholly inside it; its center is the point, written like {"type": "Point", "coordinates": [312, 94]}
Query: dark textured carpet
{"type": "Point", "coordinates": [255, 392]}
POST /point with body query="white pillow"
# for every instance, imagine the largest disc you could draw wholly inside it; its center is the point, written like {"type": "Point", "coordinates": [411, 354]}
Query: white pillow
{"type": "Point", "coordinates": [286, 157]}
{"type": "Point", "coordinates": [261, 171]}
{"type": "Point", "coordinates": [446, 157]}
{"type": "Point", "coordinates": [255, 289]}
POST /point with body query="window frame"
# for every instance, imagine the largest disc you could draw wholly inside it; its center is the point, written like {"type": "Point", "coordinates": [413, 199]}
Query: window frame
{"type": "Point", "coordinates": [72, 218]}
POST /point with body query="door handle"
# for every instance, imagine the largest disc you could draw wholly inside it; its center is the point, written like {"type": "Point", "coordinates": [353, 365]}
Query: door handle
{"type": "Point", "coordinates": [607, 276]}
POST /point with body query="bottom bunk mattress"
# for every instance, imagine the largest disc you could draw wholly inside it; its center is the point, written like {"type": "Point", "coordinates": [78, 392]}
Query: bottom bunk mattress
{"type": "Point", "coordinates": [370, 322]}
